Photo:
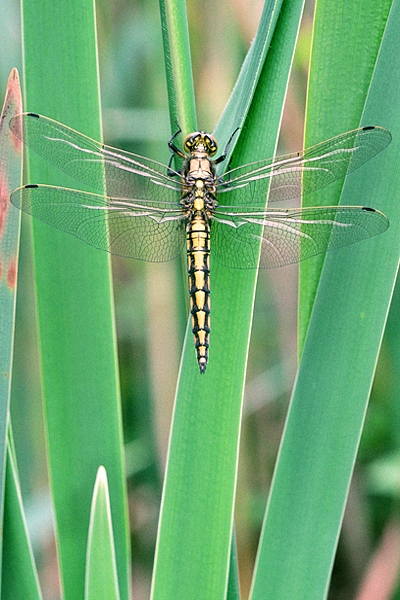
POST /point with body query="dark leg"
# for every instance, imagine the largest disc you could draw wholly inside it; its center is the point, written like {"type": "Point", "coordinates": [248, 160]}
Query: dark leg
{"type": "Point", "coordinates": [174, 150]}
{"type": "Point", "coordinates": [223, 156]}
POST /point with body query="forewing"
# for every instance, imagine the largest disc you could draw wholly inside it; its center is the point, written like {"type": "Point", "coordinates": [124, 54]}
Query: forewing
{"type": "Point", "coordinates": [283, 237]}
{"type": "Point", "coordinates": [122, 174]}
{"type": "Point", "coordinates": [126, 228]}
{"type": "Point", "coordinates": [311, 169]}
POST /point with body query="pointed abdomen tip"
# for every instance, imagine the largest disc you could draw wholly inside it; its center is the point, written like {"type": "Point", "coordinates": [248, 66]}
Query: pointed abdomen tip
{"type": "Point", "coordinates": [202, 367]}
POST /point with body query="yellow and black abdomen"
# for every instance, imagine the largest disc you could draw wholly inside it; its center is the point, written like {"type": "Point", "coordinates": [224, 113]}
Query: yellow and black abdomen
{"type": "Point", "coordinates": [198, 253]}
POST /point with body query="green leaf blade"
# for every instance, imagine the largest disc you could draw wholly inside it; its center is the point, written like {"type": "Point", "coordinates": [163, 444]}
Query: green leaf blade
{"type": "Point", "coordinates": [182, 106]}
{"type": "Point", "coordinates": [74, 298]}
{"type": "Point", "coordinates": [101, 572]}
{"type": "Point", "coordinates": [338, 361]}
{"type": "Point", "coordinates": [195, 529]}
{"type": "Point", "coordinates": [19, 576]}
{"type": "Point", "coordinates": [10, 221]}
{"type": "Point", "coordinates": [343, 35]}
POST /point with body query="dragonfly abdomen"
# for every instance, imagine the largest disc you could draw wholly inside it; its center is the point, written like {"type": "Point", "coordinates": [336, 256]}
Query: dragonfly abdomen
{"type": "Point", "coordinates": [198, 254]}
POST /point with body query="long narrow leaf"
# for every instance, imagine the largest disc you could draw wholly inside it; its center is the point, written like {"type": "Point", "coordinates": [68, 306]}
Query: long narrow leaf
{"type": "Point", "coordinates": [346, 42]}
{"type": "Point", "coordinates": [178, 65]}
{"type": "Point", "coordinates": [101, 572]}
{"type": "Point", "coordinates": [74, 297]}
{"type": "Point", "coordinates": [194, 536]}
{"type": "Point", "coordinates": [328, 406]}
{"type": "Point", "coordinates": [236, 110]}
{"type": "Point", "coordinates": [10, 177]}
{"type": "Point", "coordinates": [19, 576]}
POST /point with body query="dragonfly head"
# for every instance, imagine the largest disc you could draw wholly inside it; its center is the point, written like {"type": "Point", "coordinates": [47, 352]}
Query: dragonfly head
{"type": "Point", "coordinates": [200, 142]}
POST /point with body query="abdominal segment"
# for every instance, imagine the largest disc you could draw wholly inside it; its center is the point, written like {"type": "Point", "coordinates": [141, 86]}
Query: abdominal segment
{"type": "Point", "coordinates": [198, 253]}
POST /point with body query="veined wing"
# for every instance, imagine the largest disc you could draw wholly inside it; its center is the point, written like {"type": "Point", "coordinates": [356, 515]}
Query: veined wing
{"type": "Point", "coordinates": [304, 172]}
{"type": "Point", "coordinates": [288, 236]}
{"type": "Point", "coordinates": [122, 174]}
{"type": "Point", "coordinates": [147, 231]}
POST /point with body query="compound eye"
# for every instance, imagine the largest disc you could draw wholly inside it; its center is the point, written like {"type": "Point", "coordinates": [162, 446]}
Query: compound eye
{"type": "Point", "coordinates": [191, 141]}
{"type": "Point", "coordinates": [211, 144]}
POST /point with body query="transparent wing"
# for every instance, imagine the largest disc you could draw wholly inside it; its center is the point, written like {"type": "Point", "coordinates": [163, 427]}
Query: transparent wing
{"type": "Point", "coordinates": [100, 167]}
{"type": "Point", "coordinates": [288, 236]}
{"type": "Point", "coordinates": [154, 232]}
{"type": "Point", "coordinates": [311, 169]}
{"type": "Point", "coordinates": [142, 218]}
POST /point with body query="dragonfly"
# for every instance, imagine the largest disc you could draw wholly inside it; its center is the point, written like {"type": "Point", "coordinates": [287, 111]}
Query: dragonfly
{"type": "Point", "coordinates": [146, 210]}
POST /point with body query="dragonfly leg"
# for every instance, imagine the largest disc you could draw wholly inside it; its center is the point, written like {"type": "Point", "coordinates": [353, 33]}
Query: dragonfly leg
{"type": "Point", "coordinates": [173, 147]}
{"type": "Point", "coordinates": [174, 150]}
{"type": "Point", "coordinates": [223, 156]}
{"type": "Point", "coordinates": [171, 172]}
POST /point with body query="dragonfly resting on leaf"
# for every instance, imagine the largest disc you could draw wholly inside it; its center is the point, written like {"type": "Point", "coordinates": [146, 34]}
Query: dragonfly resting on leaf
{"type": "Point", "coordinates": [146, 210]}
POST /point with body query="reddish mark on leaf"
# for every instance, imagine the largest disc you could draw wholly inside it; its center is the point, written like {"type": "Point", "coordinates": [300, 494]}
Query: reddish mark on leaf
{"type": "Point", "coordinates": [13, 106]}
{"type": "Point", "coordinates": [16, 129]}
{"type": "Point", "coordinates": [12, 273]}
{"type": "Point", "coordinates": [5, 374]}
{"type": "Point", "coordinates": [4, 193]}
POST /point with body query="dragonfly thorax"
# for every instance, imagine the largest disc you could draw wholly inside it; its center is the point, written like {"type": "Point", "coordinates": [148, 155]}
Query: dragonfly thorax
{"type": "Point", "coordinates": [199, 185]}
{"type": "Point", "coordinates": [199, 167]}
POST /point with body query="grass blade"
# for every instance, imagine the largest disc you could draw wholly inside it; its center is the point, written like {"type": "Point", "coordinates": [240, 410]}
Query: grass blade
{"type": "Point", "coordinates": [182, 107]}
{"type": "Point", "coordinates": [195, 528]}
{"type": "Point", "coordinates": [19, 576]}
{"type": "Point", "coordinates": [354, 41]}
{"type": "Point", "coordinates": [75, 304]}
{"type": "Point", "coordinates": [101, 572]}
{"type": "Point", "coordinates": [328, 406]}
{"type": "Point", "coordinates": [10, 220]}
{"type": "Point", "coordinates": [236, 110]}
{"type": "Point", "coordinates": [233, 592]}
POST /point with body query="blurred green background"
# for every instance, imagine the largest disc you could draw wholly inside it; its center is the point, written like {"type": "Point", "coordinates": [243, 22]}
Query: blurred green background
{"type": "Point", "coordinates": [135, 118]}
